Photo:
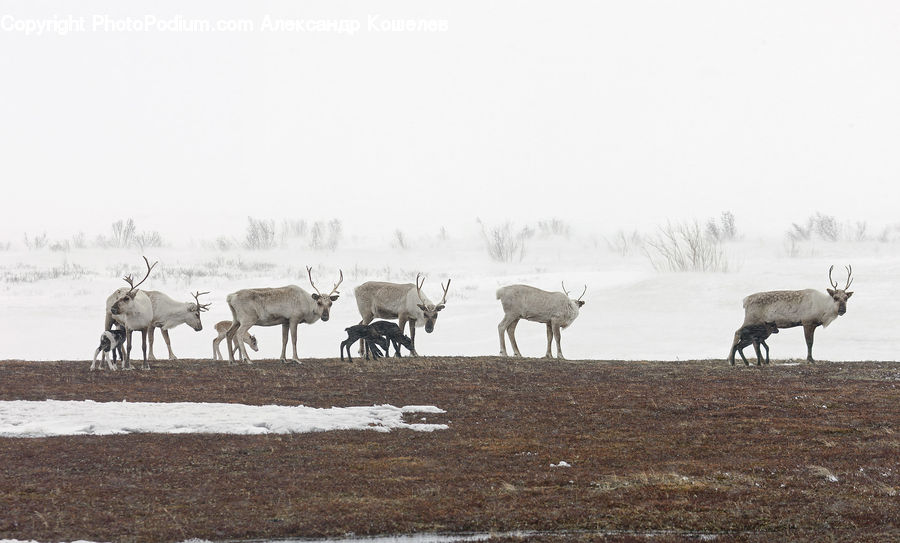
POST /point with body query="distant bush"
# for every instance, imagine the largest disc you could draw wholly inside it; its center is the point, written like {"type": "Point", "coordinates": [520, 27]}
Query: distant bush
{"type": "Point", "coordinates": [124, 234]}
{"type": "Point", "coordinates": [723, 229]}
{"type": "Point", "coordinates": [400, 240]}
{"type": "Point", "coordinates": [260, 234]}
{"type": "Point", "coordinates": [830, 229]}
{"type": "Point", "coordinates": [36, 242]}
{"type": "Point", "coordinates": [326, 235]}
{"type": "Point", "coordinates": [554, 227]}
{"type": "Point", "coordinates": [625, 243]}
{"type": "Point", "coordinates": [681, 247]}
{"type": "Point", "coordinates": [503, 242]}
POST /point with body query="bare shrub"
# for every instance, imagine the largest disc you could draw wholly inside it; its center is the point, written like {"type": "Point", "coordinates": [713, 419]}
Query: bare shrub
{"type": "Point", "coordinates": [122, 233]}
{"type": "Point", "coordinates": [826, 227]}
{"type": "Point", "coordinates": [399, 241]}
{"type": "Point", "coordinates": [37, 242]}
{"type": "Point", "coordinates": [554, 227]}
{"type": "Point", "coordinates": [144, 240]}
{"type": "Point", "coordinates": [260, 234]}
{"type": "Point", "coordinates": [625, 243]}
{"type": "Point", "coordinates": [61, 246]}
{"type": "Point", "coordinates": [503, 242]}
{"type": "Point", "coordinates": [723, 229]}
{"type": "Point", "coordinates": [79, 240]}
{"type": "Point", "coordinates": [682, 247]}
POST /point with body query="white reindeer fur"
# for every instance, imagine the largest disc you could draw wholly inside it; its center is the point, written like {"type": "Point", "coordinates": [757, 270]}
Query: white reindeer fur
{"type": "Point", "coordinates": [135, 314]}
{"type": "Point", "coordinates": [383, 300]}
{"type": "Point", "coordinates": [169, 313]}
{"type": "Point", "coordinates": [287, 306]}
{"type": "Point", "coordinates": [787, 308]}
{"type": "Point", "coordinates": [555, 309]}
{"type": "Point", "coordinates": [221, 330]}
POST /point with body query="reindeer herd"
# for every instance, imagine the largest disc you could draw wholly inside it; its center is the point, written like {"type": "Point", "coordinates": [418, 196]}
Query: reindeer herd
{"type": "Point", "coordinates": [130, 309]}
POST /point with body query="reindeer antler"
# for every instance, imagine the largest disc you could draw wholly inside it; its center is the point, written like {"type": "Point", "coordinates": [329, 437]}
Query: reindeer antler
{"type": "Point", "coordinates": [849, 276]}
{"type": "Point", "coordinates": [200, 307]}
{"type": "Point", "coordinates": [334, 289]}
{"type": "Point", "coordinates": [419, 287]}
{"type": "Point", "coordinates": [130, 279]}
{"type": "Point", "coordinates": [444, 299]}
{"type": "Point", "coordinates": [309, 272]}
{"type": "Point", "coordinates": [566, 292]}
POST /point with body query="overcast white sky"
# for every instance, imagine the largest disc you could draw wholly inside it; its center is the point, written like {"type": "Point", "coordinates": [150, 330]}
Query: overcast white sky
{"type": "Point", "coordinates": [611, 113]}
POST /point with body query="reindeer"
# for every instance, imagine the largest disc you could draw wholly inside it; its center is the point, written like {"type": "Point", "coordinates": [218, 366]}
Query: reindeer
{"type": "Point", "coordinates": [808, 308]}
{"type": "Point", "coordinates": [392, 333]}
{"type": "Point", "coordinates": [369, 336]}
{"type": "Point", "coordinates": [110, 340]}
{"type": "Point", "coordinates": [287, 306]}
{"type": "Point", "coordinates": [404, 302]}
{"type": "Point", "coordinates": [555, 309]}
{"type": "Point", "coordinates": [167, 313]}
{"type": "Point", "coordinates": [132, 309]}
{"type": "Point", "coordinates": [755, 334]}
{"type": "Point", "coordinates": [222, 329]}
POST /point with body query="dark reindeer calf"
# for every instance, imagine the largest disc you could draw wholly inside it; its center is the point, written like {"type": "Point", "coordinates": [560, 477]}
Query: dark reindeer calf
{"type": "Point", "coordinates": [110, 340]}
{"type": "Point", "coordinates": [756, 335]}
{"type": "Point", "coordinates": [367, 334]}
{"type": "Point", "coordinates": [391, 331]}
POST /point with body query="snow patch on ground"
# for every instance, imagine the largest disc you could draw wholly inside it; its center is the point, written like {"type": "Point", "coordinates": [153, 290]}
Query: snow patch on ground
{"type": "Point", "coordinates": [58, 418]}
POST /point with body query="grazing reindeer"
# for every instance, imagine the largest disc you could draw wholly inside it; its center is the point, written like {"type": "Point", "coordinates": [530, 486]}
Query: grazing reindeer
{"type": "Point", "coordinates": [110, 340]}
{"type": "Point", "coordinates": [167, 313]}
{"type": "Point", "coordinates": [392, 333]}
{"type": "Point", "coordinates": [287, 306]}
{"type": "Point", "coordinates": [222, 329]}
{"type": "Point", "coordinates": [132, 309]}
{"type": "Point", "coordinates": [404, 302]}
{"type": "Point", "coordinates": [757, 335]}
{"type": "Point", "coordinates": [369, 336]}
{"type": "Point", "coordinates": [555, 309]}
{"type": "Point", "coordinates": [808, 308]}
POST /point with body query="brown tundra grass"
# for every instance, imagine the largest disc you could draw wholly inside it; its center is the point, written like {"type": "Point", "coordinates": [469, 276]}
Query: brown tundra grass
{"type": "Point", "coordinates": [665, 451]}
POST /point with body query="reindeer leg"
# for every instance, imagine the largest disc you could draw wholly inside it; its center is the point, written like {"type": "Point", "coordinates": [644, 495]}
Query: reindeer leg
{"type": "Point", "coordinates": [549, 353]}
{"type": "Point", "coordinates": [412, 335]}
{"type": "Point", "coordinates": [367, 318]}
{"type": "Point", "coordinates": [229, 341]}
{"type": "Point", "coordinates": [126, 362]}
{"type": "Point", "coordinates": [285, 329]}
{"type": "Point", "coordinates": [558, 335]}
{"type": "Point", "coordinates": [152, 331]}
{"type": "Point", "coordinates": [165, 335]}
{"type": "Point", "coordinates": [734, 347]}
{"type": "Point", "coordinates": [809, 331]}
{"type": "Point", "coordinates": [237, 336]}
{"type": "Point", "coordinates": [758, 353]}
{"type": "Point", "coordinates": [294, 342]}
{"type": "Point", "coordinates": [511, 331]}
{"type": "Point", "coordinates": [144, 364]}
{"type": "Point", "coordinates": [763, 343]}
{"type": "Point", "coordinates": [217, 355]}
{"type": "Point", "coordinates": [501, 330]}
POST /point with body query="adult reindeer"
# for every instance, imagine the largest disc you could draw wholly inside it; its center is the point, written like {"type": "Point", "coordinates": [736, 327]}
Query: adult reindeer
{"type": "Point", "coordinates": [287, 306]}
{"type": "Point", "coordinates": [555, 309]}
{"type": "Point", "coordinates": [402, 301]}
{"type": "Point", "coordinates": [168, 313]}
{"type": "Point", "coordinates": [132, 309]}
{"type": "Point", "coordinates": [808, 308]}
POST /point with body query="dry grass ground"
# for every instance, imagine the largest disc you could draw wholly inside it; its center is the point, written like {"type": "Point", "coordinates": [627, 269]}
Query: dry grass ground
{"type": "Point", "coordinates": [679, 450]}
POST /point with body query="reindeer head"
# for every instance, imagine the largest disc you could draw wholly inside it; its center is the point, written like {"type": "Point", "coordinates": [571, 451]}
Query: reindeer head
{"type": "Point", "coordinates": [323, 303]}
{"type": "Point", "coordinates": [194, 319]}
{"type": "Point", "coordinates": [579, 302]}
{"type": "Point", "coordinates": [251, 341]}
{"type": "Point", "coordinates": [430, 311]}
{"type": "Point", "coordinates": [121, 305]}
{"type": "Point", "coordinates": [840, 296]}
